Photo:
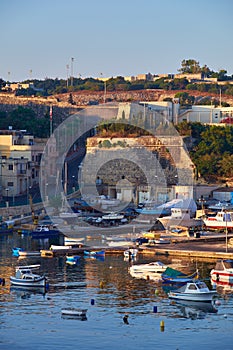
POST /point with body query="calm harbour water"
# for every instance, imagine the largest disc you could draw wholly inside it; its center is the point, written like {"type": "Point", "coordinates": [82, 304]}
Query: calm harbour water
{"type": "Point", "coordinates": [33, 320]}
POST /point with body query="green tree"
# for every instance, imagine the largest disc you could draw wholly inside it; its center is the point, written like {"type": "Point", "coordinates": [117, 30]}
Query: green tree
{"type": "Point", "coordinates": [225, 165]}
{"type": "Point", "coordinates": [190, 66]}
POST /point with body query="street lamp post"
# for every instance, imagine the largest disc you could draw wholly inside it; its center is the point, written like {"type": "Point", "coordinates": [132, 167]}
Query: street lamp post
{"type": "Point", "coordinates": [226, 230]}
{"type": "Point", "coordinates": [73, 183]}
{"type": "Point", "coordinates": [105, 87]}
{"type": "Point", "coordinates": [7, 202]}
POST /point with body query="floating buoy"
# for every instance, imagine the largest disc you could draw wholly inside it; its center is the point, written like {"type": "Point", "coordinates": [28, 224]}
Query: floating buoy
{"type": "Point", "coordinates": [162, 326]}
{"type": "Point", "coordinates": [92, 301]}
{"type": "Point", "coordinates": [156, 292]}
{"type": "Point", "coordinates": [101, 284]}
{"type": "Point", "coordinates": [225, 315]}
{"type": "Point", "coordinates": [217, 302]}
{"type": "Point", "coordinates": [125, 319]}
{"type": "Point", "coordinates": [155, 309]}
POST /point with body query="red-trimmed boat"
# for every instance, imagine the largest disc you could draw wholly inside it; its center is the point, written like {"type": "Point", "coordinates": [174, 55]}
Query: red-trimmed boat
{"type": "Point", "coordinates": [223, 272]}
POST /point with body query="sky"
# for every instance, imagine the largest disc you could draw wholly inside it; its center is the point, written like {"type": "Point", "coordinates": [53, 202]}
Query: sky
{"type": "Point", "coordinates": [108, 38]}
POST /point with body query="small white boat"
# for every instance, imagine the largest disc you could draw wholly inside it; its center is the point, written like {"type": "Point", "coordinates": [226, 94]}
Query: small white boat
{"type": "Point", "coordinates": [71, 311]}
{"type": "Point", "coordinates": [60, 247]}
{"type": "Point", "coordinates": [25, 253]}
{"type": "Point", "coordinates": [130, 253]}
{"type": "Point", "coordinates": [223, 271]}
{"type": "Point", "coordinates": [193, 291]}
{"type": "Point", "coordinates": [24, 277]}
{"type": "Point", "coordinates": [154, 267]}
{"type": "Point", "coordinates": [73, 241]}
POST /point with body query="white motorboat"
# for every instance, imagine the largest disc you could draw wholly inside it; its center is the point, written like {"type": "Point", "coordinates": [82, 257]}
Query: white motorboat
{"type": "Point", "coordinates": [54, 247]}
{"type": "Point", "coordinates": [193, 291]}
{"type": "Point", "coordinates": [223, 272]}
{"type": "Point", "coordinates": [24, 253]}
{"type": "Point", "coordinates": [73, 241]}
{"type": "Point", "coordinates": [74, 312]}
{"type": "Point", "coordinates": [153, 267]}
{"type": "Point", "coordinates": [222, 220]}
{"type": "Point", "coordinates": [24, 277]}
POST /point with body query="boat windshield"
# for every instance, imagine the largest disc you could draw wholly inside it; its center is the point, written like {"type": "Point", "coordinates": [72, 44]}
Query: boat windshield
{"type": "Point", "coordinates": [228, 264]}
{"type": "Point", "coordinates": [201, 285]}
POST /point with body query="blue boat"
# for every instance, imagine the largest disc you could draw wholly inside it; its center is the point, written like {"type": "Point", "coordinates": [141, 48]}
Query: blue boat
{"type": "Point", "coordinates": [43, 231]}
{"type": "Point", "coordinates": [16, 250]}
{"type": "Point", "coordinates": [173, 276]}
{"type": "Point", "coordinates": [72, 259]}
{"type": "Point", "coordinates": [93, 253]}
{"type": "Point", "coordinates": [6, 227]}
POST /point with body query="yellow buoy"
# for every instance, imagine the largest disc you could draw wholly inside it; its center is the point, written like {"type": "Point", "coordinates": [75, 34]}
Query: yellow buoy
{"type": "Point", "coordinates": [162, 326]}
{"type": "Point", "coordinates": [101, 284]}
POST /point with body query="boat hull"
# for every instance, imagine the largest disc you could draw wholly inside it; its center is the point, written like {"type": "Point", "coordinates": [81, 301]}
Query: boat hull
{"type": "Point", "coordinates": [74, 312]}
{"type": "Point", "coordinates": [200, 297]}
{"type": "Point", "coordinates": [37, 282]}
{"type": "Point", "coordinates": [222, 276]}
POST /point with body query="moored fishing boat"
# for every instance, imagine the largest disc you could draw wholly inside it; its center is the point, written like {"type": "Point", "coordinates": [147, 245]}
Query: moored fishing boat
{"type": "Point", "coordinates": [193, 291]}
{"type": "Point", "coordinates": [93, 253]}
{"type": "Point", "coordinates": [24, 277]}
{"type": "Point", "coordinates": [16, 250]}
{"type": "Point", "coordinates": [44, 230]}
{"type": "Point", "coordinates": [73, 241]}
{"type": "Point", "coordinates": [222, 220]}
{"type": "Point", "coordinates": [74, 312]}
{"type": "Point", "coordinates": [25, 253]}
{"type": "Point", "coordinates": [72, 259]}
{"type": "Point", "coordinates": [173, 276]}
{"type": "Point", "coordinates": [223, 271]}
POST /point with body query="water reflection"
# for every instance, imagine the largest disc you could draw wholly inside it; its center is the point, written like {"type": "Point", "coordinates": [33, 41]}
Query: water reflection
{"type": "Point", "coordinates": [25, 293]}
{"type": "Point", "coordinates": [195, 309]}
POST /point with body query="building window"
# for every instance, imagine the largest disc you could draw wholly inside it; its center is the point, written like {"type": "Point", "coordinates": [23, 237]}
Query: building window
{"type": "Point", "coordinates": [10, 184]}
{"type": "Point", "coordinates": [10, 167]}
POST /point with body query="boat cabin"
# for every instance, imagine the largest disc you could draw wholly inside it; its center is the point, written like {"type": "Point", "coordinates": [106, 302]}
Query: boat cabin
{"type": "Point", "coordinates": [222, 265]}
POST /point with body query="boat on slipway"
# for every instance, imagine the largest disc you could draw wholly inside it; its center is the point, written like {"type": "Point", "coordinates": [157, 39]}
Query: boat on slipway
{"type": "Point", "coordinates": [222, 220]}
{"type": "Point", "coordinates": [180, 217]}
{"type": "Point", "coordinates": [193, 291]}
{"type": "Point", "coordinates": [223, 272]}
